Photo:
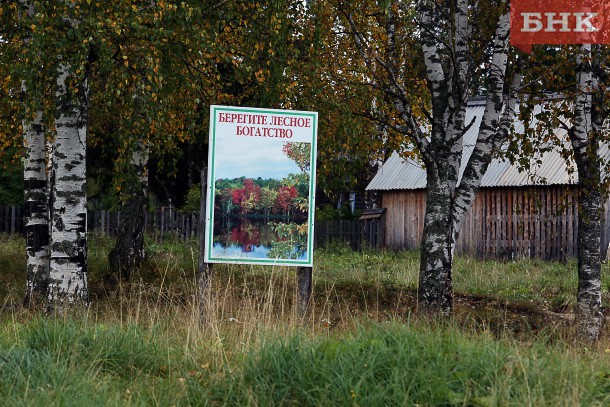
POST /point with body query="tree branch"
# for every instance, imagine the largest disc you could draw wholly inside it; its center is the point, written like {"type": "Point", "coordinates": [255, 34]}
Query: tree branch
{"type": "Point", "coordinates": [394, 89]}
{"type": "Point", "coordinates": [492, 129]}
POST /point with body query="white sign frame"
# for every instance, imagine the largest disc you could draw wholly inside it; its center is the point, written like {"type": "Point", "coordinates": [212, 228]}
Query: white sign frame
{"type": "Point", "coordinates": [232, 127]}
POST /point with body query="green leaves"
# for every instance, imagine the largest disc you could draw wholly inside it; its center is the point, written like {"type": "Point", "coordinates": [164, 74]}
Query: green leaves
{"type": "Point", "coordinates": [155, 67]}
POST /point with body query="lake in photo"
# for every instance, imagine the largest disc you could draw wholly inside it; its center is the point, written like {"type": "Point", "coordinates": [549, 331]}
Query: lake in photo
{"type": "Point", "coordinates": [248, 238]}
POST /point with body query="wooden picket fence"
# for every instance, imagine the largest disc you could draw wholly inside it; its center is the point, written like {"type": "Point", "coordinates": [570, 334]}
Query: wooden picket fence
{"type": "Point", "coordinates": [11, 219]}
{"type": "Point", "coordinates": [551, 237]}
{"type": "Point", "coordinates": [161, 223]}
{"type": "Point", "coordinates": [168, 221]}
{"type": "Point", "coordinates": [357, 234]}
{"type": "Point", "coordinates": [507, 223]}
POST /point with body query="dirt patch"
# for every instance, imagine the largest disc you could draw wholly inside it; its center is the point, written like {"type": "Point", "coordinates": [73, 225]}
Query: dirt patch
{"type": "Point", "coordinates": [342, 303]}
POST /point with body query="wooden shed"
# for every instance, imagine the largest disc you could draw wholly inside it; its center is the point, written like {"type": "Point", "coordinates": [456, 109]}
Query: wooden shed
{"type": "Point", "coordinates": [515, 215]}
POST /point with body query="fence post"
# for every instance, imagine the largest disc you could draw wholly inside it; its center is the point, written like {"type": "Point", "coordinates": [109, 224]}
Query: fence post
{"type": "Point", "coordinates": [13, 217]}
{"type": "Point", "coordinates": [118, 222]}
{"type": "Point", "coordinates": [304, 286]}
{"type": "Point", "coordinates": [6, 219]}
{"type": "Point", "coordinates": [162, 223]}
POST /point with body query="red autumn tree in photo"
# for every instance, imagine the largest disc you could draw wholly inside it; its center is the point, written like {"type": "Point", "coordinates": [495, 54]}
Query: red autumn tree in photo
{"type": "Point", "coordinates": [285, 197]}
{"type": "Point", "coordinates": [246, 236]}
{"type": "Point", "coordinates": [238, 196]}
{"type": "Point", "coordinates": [247, 198]}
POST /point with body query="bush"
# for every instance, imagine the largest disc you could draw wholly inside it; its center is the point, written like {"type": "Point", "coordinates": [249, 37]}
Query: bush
{"type": "Point", "coordinates": [328, 212]}
{"type": "Point", "coordinates": [193, 199]}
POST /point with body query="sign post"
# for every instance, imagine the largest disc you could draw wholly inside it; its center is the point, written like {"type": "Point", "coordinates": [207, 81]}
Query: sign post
{"type": "Point", "coordinates": [261, 187]}
{"type": "Point", "coordinates": [204, 272]}
{"type": "Point", "coordinates": [304, 286]}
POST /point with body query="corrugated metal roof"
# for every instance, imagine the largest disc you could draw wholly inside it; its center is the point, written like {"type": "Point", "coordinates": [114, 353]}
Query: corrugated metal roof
{"type": "Point", "coordinates": [546, 169]}
{"type": "Point", "coordinates": [398, 173]}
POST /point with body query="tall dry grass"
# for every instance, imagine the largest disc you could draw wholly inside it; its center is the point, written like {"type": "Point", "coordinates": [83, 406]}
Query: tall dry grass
{"type": "Point", "coordinates": [144, 342]}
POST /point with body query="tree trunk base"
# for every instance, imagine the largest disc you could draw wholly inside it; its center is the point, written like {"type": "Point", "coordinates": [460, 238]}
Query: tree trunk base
{"type": "Point", "coordinates": [128, 251]}
{"type": "Point", "coordinates": [589, 321]}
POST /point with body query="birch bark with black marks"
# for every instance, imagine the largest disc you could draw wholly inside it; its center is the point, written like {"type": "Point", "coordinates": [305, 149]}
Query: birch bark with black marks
{"type": "Point", "coordinates": [584, 137]}
{"type": "Point", "coordinates": [68, 258]}
{"type": "Point", "coordinates": [36, 197]}
{"type": "Point", "coordinates": [446, 37]}
{"type": "Point", "coordinates": [128, 252]}
{"type": "Point", "coordinates": [36, 212]}
{"type": "Point", "coordinates": [448, 197]}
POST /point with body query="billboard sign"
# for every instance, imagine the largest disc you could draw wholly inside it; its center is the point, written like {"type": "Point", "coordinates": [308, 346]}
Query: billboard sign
{"type": "Point", "coordinates": [261, 186]}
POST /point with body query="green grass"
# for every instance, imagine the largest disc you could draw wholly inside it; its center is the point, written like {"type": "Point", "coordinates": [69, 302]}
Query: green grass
{"type": "Point", "coordinates": [404, 364]}
{"type": "Point", "coordinates": [53, 362]}
{"type": "Point", "coordinates": [12, 268]}
{"type": "Point", "coordinates": [141, 343]}
{"type": "Point", "coordinates": [80, 362]}
{"type": "Point", "coordinates": [550, 285]}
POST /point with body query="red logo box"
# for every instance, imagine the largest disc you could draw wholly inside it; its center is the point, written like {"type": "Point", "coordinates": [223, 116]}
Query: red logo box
{"type": "Point", "coordinates": [559, 22]}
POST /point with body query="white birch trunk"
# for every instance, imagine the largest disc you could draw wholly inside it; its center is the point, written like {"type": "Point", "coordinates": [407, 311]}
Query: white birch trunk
{"type": "Point", "coordinates": [446, 41]}
{"type": "Point", "coordinates": [36, 197]}
{"type": "Point", "coordinates": [68, 265]}
{"type": "Point", "coordinates": [36, 218]}
{"type": "Point", "coordinates": [495, 124]}
{"type": "Point", "coordinates": [583, 136]}
{"type": "Point", "coordinates": [447, 201]}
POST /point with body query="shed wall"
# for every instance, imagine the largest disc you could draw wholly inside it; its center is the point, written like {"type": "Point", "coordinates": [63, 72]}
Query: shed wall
{"type": "Point", "coordinates": [510, 223]}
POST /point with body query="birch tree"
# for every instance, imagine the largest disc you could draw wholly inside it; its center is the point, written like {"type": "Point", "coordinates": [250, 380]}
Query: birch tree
{"type": "Point", "coordinates": [36, 211]}
{"type": "Point", "coordinates": [586, 134]}
{"type": "Point", "coordinates": [457, 41]}
{"type": "Point", "coordinates": [51, 62]}
{"type": "Point", "coordinates": [572, 91]}
{"type": "Point", "coordinates": [14, 40]}
{"type": "Point", "coordinates": [36, 191]}
{"type": "Point", "coordinates": [68, 257]}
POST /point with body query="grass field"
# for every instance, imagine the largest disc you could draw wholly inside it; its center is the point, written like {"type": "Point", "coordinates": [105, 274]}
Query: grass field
{"type": "Point", "coordinates": [362, 343]}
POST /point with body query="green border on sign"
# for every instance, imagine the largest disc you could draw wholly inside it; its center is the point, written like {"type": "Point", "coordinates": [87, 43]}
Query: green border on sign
{"type": "Point", "coordinates": [211, 189]}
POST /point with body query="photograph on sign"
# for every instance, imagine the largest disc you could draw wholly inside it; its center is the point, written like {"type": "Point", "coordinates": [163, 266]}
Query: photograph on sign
{"type": "Point", "coordinates": [261, 186]}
